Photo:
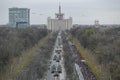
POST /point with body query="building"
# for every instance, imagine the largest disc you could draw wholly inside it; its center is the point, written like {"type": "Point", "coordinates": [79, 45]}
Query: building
{"type": "Point", "coordinates": [96, 23]}
{"type": "Point", "coordinates": [59, 23]}
{"type": "Point", "coordinates": [19, 17]}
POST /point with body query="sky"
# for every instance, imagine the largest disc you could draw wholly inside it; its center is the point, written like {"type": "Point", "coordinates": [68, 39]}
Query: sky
{"type": "Point", "coordinates": [82, 11]}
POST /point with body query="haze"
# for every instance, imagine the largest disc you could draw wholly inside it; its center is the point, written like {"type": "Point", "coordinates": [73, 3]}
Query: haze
{"type": "Point", "coordinates": [82, 11]}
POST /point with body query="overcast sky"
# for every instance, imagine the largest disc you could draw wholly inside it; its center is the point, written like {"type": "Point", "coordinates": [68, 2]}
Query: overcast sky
{"type": "Point", "coordinates": [82, 11]}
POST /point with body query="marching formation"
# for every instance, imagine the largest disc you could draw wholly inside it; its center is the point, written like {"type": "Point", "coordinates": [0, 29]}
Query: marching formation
{"type": "Point", "coordinates": [56, 69]}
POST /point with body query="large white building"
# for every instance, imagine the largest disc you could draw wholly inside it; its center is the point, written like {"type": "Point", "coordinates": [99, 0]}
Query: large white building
{"type": "Point", "coordinates": [19, 17]}
{"type": "Point", "coordinates": [59, 23]}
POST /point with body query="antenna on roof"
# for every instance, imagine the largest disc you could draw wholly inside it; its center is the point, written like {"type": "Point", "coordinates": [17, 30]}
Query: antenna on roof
{"type": "Point", "coordinates": [59, 8]}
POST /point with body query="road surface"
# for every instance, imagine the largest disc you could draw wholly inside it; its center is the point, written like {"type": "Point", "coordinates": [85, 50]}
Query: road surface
{"type": "Point", "coordinates": [62, 75]}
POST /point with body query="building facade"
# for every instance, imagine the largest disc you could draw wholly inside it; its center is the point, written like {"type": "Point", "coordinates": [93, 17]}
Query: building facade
{"type": "Point", "coordinates": [59, 23]}
{"type": "Point", "coordinates": [96, 23]}
{"type": "Point", "coordinates": [19, 17]}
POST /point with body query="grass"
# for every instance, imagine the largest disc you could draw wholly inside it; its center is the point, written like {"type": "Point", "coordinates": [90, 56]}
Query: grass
{"type": "Point", "coordinates": [17, 64]}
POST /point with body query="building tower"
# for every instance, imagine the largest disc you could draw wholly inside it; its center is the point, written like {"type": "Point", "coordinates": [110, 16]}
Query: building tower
{"type": "Point", "coordinates": [59, 16]}
{"type": "Point", "coordinates": [19, 17]}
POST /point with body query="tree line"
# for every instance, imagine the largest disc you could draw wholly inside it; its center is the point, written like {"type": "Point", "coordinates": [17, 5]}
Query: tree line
{"type": "Point", "coordinates": [13, 41]}
{"type": "Point", "coordinates": [104, 43]}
